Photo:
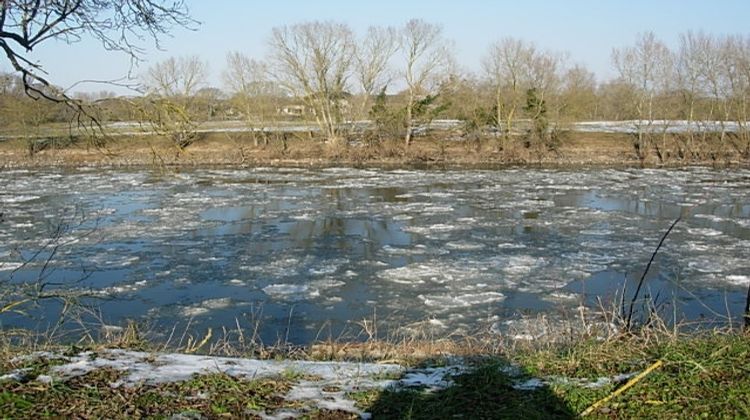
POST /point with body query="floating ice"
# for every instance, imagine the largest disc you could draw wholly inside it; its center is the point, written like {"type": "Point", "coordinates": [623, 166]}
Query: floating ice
{"type": "Point", "coordinates": [22, 225]}
{"type": "Point", "coordinates": [562, 297]}
{"type": "Point", "coordinates": [707, 265]}
{"type": "Point", "coordinates": [286, 267]}
{"type": "Point", "coordinates": [416, 250]}
{"type": "Point", "coordinates": [738, 280]}
{"type": "Point", "coordinates": [507, 245]}
{"type": "Point", "coordinates": [410, 274]}
{"type": "Point", "coordinates": [10, 266]}
{"type": "Point", "coordinates": [710, 217]}
{"type": "Point", "coordinates": [519, 265]}
{"type": "Point", "coordinates": [436, 228]}
{"type": "Point", "coordinates": [291, 292]}
{"type": "Point", "coordinates": [452, 301]}
{"type": "Point", "coordinates": [434, 272]}
{"type": "Point", "coordinates": [704, 232]}
{"type": "Point", "coordinates": [194, 311]}
{"type": "Point", "coordinates": [327, 267]}
{"type": "Point", "coordinates": [464, 246]}
{"type": "Point", "coordinates": [379, 236]}
{"type": "Point", "coordinates": [124, 288]}
{"type": "Point", "coordinates": [206, 306]}
{"type": "Point", "coordinates": [18, 198]}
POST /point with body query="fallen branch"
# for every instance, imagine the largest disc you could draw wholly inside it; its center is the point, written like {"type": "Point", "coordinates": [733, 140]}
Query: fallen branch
{"type": "Point", "coordinates": [622, 389]}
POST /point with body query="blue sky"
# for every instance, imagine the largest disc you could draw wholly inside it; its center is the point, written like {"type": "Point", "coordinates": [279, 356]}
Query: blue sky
{"type": "Point", "coordinates": [587, 29]}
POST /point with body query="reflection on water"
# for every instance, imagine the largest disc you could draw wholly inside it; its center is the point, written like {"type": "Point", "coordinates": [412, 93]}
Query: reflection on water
{"type": "Point", "coordinates": [303, 249]}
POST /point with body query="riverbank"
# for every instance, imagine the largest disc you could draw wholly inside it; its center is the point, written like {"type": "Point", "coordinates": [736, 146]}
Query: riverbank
{"type": "Point", "coordinates": [649, 375]}
{"type": "Point", "coordinates": [239, 149]}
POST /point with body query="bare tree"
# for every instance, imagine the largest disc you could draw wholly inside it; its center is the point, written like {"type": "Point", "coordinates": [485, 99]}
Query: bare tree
{"type": "Point", "coordinates": [253, 92]}
{"type": "Point", "coordinates": [313, 61]}
{"type": "Point", "coordinates": [578, 95]}
{"type": "Point", "coordinates": [469, 99]}
{"type": "Point", "coordinates": [177, 77]}
{"type": "Point", "coordinates": [372, 63]}
{"type": "Point", "coordinates": [691, 60]}
{"type": "Point", "coordinates": [690, 78]}
{"type": "Point", "coordinates": [506, 65]}
{"type": "Point", "coordinates": [119, 25]}
{"type": "Point", "coordinates": [522, 78]}
{"type": "Point", "coordinates": [543, 82]}
{"type": "Point", "coordinates": [171, 88]}
{"type": "Point", "coordinates": [426, 58]}
{"type": "Point", "coordinates": [247, 76]}
{"type": "Point", "coordinates": [647, 68]}
{"type": "Point", "coordinates": [736, 53]}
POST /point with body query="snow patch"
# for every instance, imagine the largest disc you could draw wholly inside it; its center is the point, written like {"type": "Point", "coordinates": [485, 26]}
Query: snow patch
{"type": "Point", "coordinates": [330, 389]}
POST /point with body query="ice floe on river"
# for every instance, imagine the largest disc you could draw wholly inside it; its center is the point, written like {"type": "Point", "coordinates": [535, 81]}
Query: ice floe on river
{"type": "Point", "coordinates": [454, 246]}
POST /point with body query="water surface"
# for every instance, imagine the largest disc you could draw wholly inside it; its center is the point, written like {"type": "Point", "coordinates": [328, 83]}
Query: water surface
{"type": "Point", "coordinates": [309, 251]}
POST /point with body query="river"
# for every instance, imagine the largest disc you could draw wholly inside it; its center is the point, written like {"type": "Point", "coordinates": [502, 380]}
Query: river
{"type": "Point", "coordinates": [311, 253]}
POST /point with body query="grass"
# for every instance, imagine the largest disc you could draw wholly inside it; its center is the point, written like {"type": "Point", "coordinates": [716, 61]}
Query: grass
{"type": "Point", "coordinates": [239, 149]}
{"type": "Point", "coordinates": [92, 396]}
{"type": "Point", "coordinates": [484, 392]}
{"type": "Point", "coordinates": [703, 375]}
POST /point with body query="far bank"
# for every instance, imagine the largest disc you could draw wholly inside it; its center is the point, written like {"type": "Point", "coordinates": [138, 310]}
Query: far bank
{"type": "Point", "coordinates": [571, 149]}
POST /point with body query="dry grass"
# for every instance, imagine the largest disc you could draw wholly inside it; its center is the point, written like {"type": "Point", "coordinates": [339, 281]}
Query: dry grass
{"type": "Point", "coordinates": [305, 150]}
{"type": "Point", "coordinates": [365, 340]}
{"type": "Point", "coordinates": [711, 362]}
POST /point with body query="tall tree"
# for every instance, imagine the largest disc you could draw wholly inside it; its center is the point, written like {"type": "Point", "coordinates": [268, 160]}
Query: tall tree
{"type": "Point", "coordinates": [179, 77]}
{"type": "Point", "coordinates": [647, 69]}
{"type": "Point", "coordinates": [507, 67]}
{"type": "Point", "coordinates": [372, 63]}
{"type": "Point", "coordinates": [736, 53]}
{"type": "Point", "coordinates": [172, 87]}
{"type": "Point", "coordinates": [248, 81]}
{"type": "Point", "coordinates": [543, 84]}
{"type": "Point", "coordinates": [313, 61]}
{"type": "Point", "coordinates": [579, 99]}
{"type": "Point", "coordinates": [426, 58]}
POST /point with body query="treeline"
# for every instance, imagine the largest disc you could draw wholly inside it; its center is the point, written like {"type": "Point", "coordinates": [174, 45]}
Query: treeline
{"type": "Point", "coordinates": [400, 78]}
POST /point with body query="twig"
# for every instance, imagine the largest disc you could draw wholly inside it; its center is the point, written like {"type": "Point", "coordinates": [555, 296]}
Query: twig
{"type": "Point", "coordinates": [645, 272]}
{"type": "Point", "coordinates": [622, 389]}
{"type": "Point", "coordinates": [194, 348]}
{"type": "Point", "coordinates": [747, 309]}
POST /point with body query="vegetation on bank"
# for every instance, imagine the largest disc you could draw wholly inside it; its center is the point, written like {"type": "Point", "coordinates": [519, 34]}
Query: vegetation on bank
{"type": "Point", "coordinates": [701, 375]}
{"type": "Point", "coordinates": [437, 149]}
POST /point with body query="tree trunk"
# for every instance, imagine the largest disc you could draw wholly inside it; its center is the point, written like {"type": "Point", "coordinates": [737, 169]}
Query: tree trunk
{"type": "Point", "coordinates": [509, 122]}
{"type": "Point", "coordinates": [499, 119]}
{"type": "Point", "coordinates": [409, 122]}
